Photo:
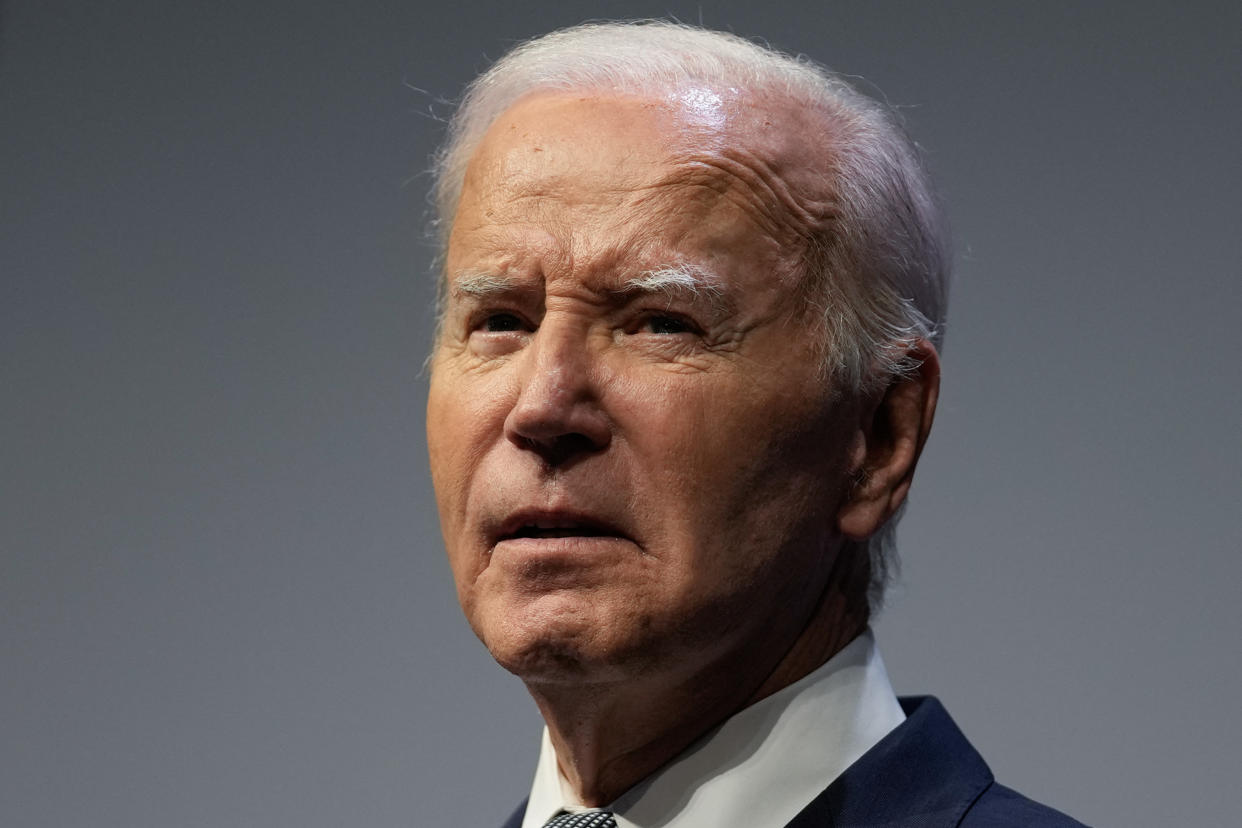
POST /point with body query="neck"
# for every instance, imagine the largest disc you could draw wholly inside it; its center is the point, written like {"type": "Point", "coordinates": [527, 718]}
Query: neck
{"type": "Point", "coordinates": [608, 737]}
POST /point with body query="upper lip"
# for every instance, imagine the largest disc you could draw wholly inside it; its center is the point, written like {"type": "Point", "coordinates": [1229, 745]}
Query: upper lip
{"type": "Point", "coordinates": [531, 520]}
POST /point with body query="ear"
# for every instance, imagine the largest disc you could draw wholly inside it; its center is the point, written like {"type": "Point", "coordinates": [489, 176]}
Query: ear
{"type": "Point", "coordinates": [892, 429]}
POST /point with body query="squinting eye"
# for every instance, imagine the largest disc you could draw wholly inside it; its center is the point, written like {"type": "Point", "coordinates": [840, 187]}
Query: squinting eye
{"type": "Point", "coordinates": [501, 322]}
{"type": "Point", "coordinates": [667, 325]}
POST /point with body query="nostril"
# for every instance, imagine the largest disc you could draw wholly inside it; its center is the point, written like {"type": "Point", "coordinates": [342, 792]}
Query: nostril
{"type": "Point", "coordinates": [562, 449]}
{"type": "Point", "coordinates": [559, 431]}
{"type": "Point", "coordinates": [576, 442]}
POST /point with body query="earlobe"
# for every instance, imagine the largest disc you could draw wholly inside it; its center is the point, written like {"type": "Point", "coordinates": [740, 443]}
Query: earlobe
{"type": "Point", "coordinates": [891, 434]}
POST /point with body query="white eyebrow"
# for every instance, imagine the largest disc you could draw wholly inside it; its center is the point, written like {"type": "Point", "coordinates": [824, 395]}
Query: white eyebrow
{"type": "Point", "coordinates": [479, 283]}
{"type": "Point", "coordinates": [690, 279]}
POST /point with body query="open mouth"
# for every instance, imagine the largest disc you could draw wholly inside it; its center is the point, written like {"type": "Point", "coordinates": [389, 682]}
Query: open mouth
{"type": "Point", "coordinates": [546, 527]}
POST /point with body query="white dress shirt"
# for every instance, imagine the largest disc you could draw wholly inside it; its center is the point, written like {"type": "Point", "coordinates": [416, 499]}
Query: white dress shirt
{"type": "Point", "coordinates": [760, 767]}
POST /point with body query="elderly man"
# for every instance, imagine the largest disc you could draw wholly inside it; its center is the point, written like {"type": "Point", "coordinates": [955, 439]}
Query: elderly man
{"type": "Point", "coordinates": [685, 367]}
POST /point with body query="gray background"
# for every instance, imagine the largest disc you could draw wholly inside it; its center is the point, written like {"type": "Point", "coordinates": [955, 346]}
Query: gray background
{"type": "Point", "coordinates": [222, 593]}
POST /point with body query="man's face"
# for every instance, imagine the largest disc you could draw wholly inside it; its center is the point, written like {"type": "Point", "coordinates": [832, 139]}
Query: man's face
{"type": "Point", "coordinates": [633, 476]}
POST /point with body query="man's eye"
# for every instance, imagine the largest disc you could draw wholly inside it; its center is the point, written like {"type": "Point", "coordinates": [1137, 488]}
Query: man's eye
{"type": "Point", "coordinates": [501, 322]}
{"type": "Point", "coordinates": [668, 325]}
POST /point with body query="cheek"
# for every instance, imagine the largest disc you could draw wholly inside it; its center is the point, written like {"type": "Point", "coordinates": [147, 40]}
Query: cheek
{"type": "Point", "coordinates": [703, 432]}
{"type": "Point", "coordinates": [444, 442]}
{"type": "Point", "coordinates": [729, 461]}
{"type": "Point", "coordinates": [676, 455]}
{"type": "Point", "coordinates": [464, 418]}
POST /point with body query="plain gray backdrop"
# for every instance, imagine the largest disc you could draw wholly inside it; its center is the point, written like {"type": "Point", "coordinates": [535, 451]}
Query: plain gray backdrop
{"type": "Point", "coordinates": [222, 590]}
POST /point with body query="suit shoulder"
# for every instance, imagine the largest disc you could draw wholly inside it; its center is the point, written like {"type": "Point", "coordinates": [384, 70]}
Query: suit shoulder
{"type": "Point", "coordinates": [1001, 807]}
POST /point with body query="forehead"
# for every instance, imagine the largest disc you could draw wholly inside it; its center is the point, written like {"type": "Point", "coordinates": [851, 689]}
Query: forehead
{"type": "Point", "coordinates": [607, 175]}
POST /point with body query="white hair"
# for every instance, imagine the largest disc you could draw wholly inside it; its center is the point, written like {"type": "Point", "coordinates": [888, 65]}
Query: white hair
{"type": "Point", "coordinates": [879, 271]}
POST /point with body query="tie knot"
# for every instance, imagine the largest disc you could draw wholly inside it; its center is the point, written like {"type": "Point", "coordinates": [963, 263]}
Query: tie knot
{"type": "Point", "coordinates": [585, 819]}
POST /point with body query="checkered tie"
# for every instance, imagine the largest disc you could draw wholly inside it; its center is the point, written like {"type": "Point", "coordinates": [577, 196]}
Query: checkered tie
{"type": "Point", "coordinates": [586, 819]}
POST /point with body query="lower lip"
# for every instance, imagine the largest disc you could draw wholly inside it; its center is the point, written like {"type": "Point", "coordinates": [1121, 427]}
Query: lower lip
{"type": "Point", "coordinates": [572, 546]}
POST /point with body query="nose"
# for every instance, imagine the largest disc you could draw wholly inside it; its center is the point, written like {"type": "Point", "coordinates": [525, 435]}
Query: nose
{"type": "Point", "coordinates": [557, 413]}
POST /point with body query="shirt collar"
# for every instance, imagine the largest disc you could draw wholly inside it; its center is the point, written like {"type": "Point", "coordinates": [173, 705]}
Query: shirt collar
{"type": "Point", "coordinates": [763, 765]}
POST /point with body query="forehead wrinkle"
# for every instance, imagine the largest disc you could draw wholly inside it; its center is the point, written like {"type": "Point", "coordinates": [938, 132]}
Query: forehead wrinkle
{"type": "Point", "coordinates": [504, 242]}
{"type": "Point", "coordinates": [518, 190]}
{"type": "Point", "coordinates": [765, 195]}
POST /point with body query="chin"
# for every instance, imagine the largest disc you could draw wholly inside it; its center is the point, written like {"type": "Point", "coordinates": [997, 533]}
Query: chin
{"type": "Point", "coordinates": [542, 646]}
{"type": "Point", "coordinates": [545, 663]}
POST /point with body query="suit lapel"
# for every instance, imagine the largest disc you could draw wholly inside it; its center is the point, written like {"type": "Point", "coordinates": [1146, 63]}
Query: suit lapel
{"type": "Point", "coordinates": [923, 774]}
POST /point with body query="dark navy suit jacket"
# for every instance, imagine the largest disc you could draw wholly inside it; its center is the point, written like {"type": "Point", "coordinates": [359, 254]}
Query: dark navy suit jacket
{"type": "Point", "coordinates": [924, 774]}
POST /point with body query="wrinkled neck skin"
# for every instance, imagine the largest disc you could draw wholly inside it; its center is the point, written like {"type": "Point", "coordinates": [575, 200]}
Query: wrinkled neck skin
{"type": "Point", "coordinates": [610, 736]}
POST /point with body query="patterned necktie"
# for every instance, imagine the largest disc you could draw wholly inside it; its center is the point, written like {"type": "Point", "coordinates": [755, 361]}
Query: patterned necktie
{"type": "Point", "coordinates": [586, 819]}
